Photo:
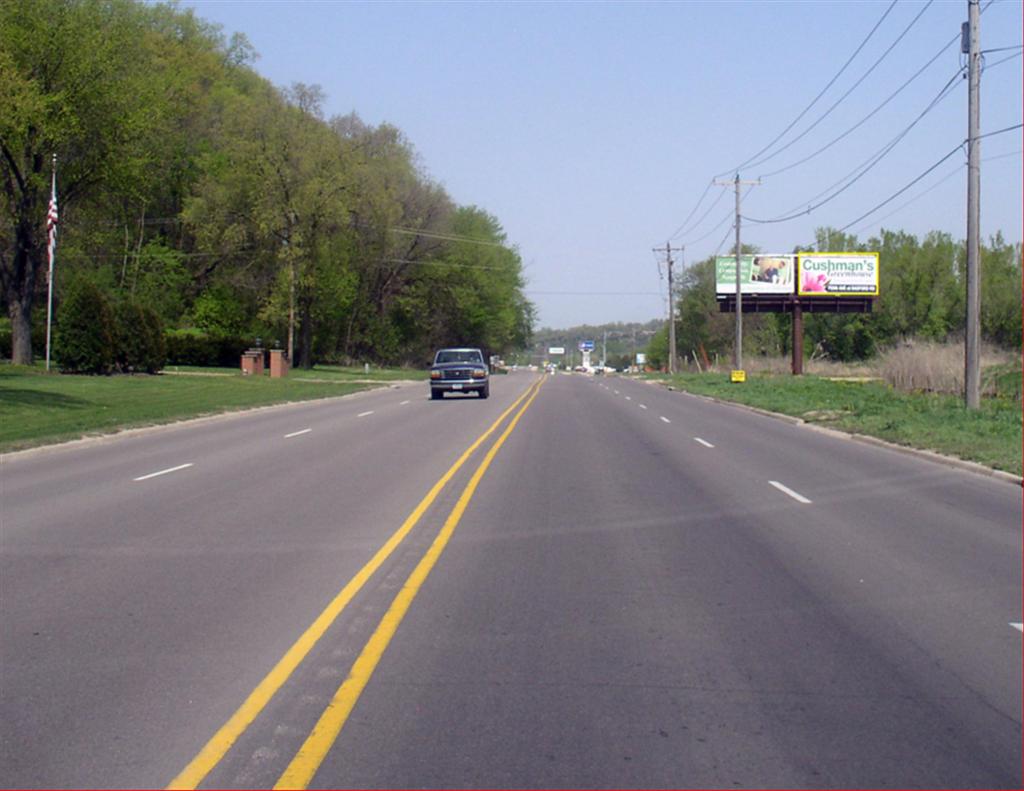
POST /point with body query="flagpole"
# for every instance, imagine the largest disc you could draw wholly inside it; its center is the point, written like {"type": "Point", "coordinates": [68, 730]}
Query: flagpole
{"type": "Point", "coordinates": [51, 240]}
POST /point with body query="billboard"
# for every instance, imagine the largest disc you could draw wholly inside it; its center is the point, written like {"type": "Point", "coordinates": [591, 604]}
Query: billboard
{"type": "Point", "coordinates": [838, 274]}
{"type": "Point", "coordinates": [767, 273]}
{"type": "Point", "coordinates": [553, 350]}
{"type": "Point", "coordinates": [586, 346]}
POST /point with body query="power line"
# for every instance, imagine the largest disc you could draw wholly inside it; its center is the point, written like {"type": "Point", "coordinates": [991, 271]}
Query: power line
{"type": "Point", "coordinates": [694, 209]}
{"type": "Point", "coordinates": [448, 237]}
{"type": "Point", "coordinates": [835, 140]}
{"type": "Point", "coordinates": [598, 293]}
{"type": "Point", "coordinates": [899, 192]}
{"type": "Point", "coordinates": [864, 168]}
{"type": "Point", "coordinates": [703, 216]}
{"type": "Point", "coordinates": [816, 98]}
{"type": "Point", "coordinates": [851, 89]}
{"type": "Point", "coordinates": [870, 115]}
{"type": "Point", "coordinates": [988, 66]}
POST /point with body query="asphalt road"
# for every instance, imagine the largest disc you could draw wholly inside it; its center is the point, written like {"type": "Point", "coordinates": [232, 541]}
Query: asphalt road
{"type": "Point", "coordinates": [633, 588]}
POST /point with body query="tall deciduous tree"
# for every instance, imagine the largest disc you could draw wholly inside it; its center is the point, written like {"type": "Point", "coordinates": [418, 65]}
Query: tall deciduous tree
{"type": "Point", "coordinates": [76, 80]}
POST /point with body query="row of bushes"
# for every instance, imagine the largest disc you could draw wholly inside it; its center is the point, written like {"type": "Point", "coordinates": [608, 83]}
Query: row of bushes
{"type": "Point", "coordinates": [96, 336]}
{"type": "Point", "coordinates": [188, 347]}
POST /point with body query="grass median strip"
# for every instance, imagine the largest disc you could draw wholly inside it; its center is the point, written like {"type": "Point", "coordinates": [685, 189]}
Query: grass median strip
{"type": "Point", "coordinates": [217, 747]}
{"type": "Point", "coordinates": [304, 765]}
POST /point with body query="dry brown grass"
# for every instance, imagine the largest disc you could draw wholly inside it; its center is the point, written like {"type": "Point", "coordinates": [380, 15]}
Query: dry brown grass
{"type": "Point", "coordinates": [928, 367]}
{"type": "Point", "coordinates": [912, 367]}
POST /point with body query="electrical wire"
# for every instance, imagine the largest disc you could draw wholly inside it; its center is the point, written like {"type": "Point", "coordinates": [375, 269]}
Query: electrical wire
{"type": "Point", "coordinates": [870, 115]}
{"type": "Point", "coordinates": [861, 170]}
{"type": "Point", "coordinates": [445, 236]}
{"type": "Point", "coordinates": [851, 89]}
{"type": "Point", "coordinates": [899, 192]}
{"type": "Point", "coordinates": [988, 66]}
{"type": "Point", "coordinates": [815, 99]}
{"type": "Point", "coordinates": [679, 231]}
{"type": "Point", "coordinates": [693, 210]}
{"type": "Point", "coordinates": [710, 209]}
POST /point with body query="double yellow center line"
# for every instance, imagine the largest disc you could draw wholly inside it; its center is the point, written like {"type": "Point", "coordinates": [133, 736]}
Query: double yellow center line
{"type": "Point", "coordinates": [300, 771]}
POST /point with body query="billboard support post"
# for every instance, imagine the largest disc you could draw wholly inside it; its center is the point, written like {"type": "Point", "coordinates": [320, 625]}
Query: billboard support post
{"type": "Point", "coordinates": [798, 338]}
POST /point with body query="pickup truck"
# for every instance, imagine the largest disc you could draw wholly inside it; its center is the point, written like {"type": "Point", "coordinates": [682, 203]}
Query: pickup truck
{"type": "Point", "coordinates": [459, 371]}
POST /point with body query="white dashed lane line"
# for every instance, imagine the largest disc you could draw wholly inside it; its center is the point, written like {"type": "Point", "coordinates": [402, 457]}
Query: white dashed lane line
{"type": "Point", "coordinates": [703, 442]}
{"type": "Point", "coordinates": [162, 472]}
{"type": "Point", "coordinates": [364, 414]}
{"type": "Point", "coordinates": [642, 406]}
{"type": "Point", "coordinates": [664, 419]}
{"type": "Point", "coordinates": [786, 490]}
{"type": "Point", "coordinates": [404, 403]}
{"type": "Point", "coordinates": [297, 433]}
{"type": "Point", "coordinates": [629, 398]}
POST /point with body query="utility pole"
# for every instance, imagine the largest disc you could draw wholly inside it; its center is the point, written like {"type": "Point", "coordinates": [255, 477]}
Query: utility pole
{"type": "Point", "coordinates": [669, 249]}
{"type": "Point", "coordinates": [972, 339]}
{"type": "Point", "coordinates": [737, 355]}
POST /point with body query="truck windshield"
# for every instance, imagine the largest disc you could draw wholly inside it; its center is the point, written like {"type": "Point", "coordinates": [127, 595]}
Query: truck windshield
{"type": "Point", "coordinates": [458, 357]}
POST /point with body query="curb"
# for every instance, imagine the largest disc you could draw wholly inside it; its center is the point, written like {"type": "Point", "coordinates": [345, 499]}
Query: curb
{"type": "Point", "coordinates": [929, 455]}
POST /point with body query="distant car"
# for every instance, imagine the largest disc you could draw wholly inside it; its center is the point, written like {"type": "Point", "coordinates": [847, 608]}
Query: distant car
{"type": "Point", "coordinates": [459, 371]}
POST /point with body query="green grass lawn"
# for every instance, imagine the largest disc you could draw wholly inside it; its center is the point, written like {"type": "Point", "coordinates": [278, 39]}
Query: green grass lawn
{"type": "Point", "coordinates": [990, 436]}
{"type": "Point", "coordinates": [37, 408]}
{"type": "Point", "coordinates": [327, 372]}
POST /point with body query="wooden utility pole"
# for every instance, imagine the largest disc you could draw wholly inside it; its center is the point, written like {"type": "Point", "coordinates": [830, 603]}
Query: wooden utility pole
{"type": "Point", "coordinates": [737, 355]}
{"type": "Point", "coordinates": [669, 249]}
{"type": "Point", "coordinates": [972, 339]}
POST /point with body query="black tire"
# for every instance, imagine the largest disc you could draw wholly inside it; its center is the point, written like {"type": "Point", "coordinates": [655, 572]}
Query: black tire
{"type": "Point", "coordinates": [485, 391]}
{"type": "Point", "coordinates": [436, 394]}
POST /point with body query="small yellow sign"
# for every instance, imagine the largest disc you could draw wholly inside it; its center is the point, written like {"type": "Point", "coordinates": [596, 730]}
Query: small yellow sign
{"type": "Point", "coordinates": [738, 376]}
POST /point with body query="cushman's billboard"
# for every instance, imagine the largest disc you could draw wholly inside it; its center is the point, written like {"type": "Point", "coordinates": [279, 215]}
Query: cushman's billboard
{"type": "Point", "coordinates": [837, 274]}
{"type": "Point", "coordinates": [759, 274]}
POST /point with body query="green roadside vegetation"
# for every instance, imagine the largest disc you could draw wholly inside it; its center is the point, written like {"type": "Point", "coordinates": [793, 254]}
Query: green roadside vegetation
{"type": "Point", "coordinates": [990, 436]}
{"type": "Point", "coordinates": [330, 373]}
{"type": "Point", "coordinates": [37, 408]}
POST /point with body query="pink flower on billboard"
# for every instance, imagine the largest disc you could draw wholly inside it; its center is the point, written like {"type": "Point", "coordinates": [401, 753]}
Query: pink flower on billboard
{"type": "Point", "coordinates": [814, 282]}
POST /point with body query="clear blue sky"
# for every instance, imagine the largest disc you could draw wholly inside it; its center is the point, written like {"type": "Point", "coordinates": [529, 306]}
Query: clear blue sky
{"type": "Point", "coordinates": [591, 129]}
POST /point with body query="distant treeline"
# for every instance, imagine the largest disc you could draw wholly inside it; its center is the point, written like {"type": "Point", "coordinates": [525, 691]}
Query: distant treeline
{"type": "Point", "coordinates": [922, 295]}
{"type": "Point", "coordinates": [189, 185]}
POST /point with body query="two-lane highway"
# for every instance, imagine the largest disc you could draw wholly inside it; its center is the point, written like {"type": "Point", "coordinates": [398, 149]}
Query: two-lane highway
{"type": "Point", "coordinates": [599, 583]}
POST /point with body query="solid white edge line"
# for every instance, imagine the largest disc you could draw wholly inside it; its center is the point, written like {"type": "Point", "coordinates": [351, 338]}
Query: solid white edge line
{"type": "Point", "coordinates": [364, 414]}
{"type": "Point", "coordinates": [665, 418]}
{"type": "Point", "coordinates": [162, 472]}
{"type": "Point", "coordinates": [1018, 626]}
{"type": "Point", "coordinates": [786, 490]}
{"type": "Point", "coordinates": [703, 442]}
{"type": "Point", "coordinates": [297, 433]}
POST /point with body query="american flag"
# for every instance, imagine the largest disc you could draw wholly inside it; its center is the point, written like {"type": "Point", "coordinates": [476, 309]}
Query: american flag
{"type": "Point", "coordinates": [51, 221]}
